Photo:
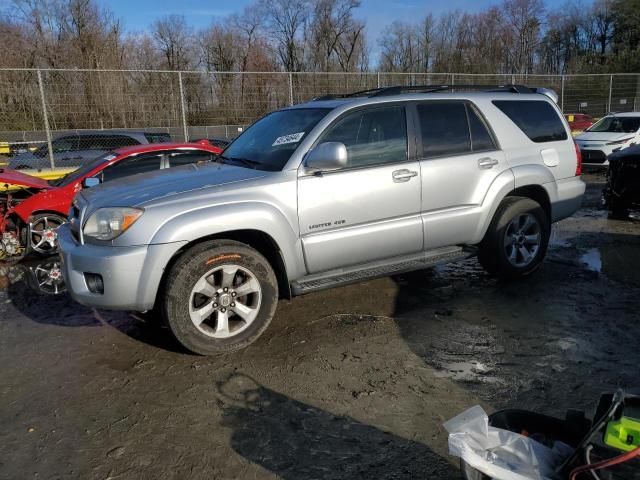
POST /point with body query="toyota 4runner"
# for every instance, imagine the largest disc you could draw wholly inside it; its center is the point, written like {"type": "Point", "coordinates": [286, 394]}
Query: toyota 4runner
{"type": "Point", "coordinates": [333, 191]}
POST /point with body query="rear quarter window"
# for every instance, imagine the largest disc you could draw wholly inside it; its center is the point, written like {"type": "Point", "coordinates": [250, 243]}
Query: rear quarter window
{"type": "Point", "coordinates": [536, 118]}
{"type": "Point", "coordinates": [158, 137]}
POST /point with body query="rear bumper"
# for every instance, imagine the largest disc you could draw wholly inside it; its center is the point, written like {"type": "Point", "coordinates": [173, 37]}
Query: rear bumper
{"type": "Point", "coordinates": [568, 198]}
{"type": "Point", "coordinates": [131, 275]}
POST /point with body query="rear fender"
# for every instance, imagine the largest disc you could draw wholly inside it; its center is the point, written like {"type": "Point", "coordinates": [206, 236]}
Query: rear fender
{"type": "Point", "coordinates": [500, 188]}
{"type": "Point", "coordinates": [519, 176]}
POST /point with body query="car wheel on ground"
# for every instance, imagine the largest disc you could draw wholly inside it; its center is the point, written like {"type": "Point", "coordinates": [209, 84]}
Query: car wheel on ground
{"type": "Point", "coordinates": [43, 238]}
{"type": "Point", "coordinates": [220, 296]}
{"type": "Point", "coordinates": [618, 209]}
{"type": "Point", "coordinates": [516, 242]}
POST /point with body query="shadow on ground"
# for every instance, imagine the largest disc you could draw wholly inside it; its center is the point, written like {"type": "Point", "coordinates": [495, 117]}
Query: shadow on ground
{"type": "Point", "coordinates": [295, 440]}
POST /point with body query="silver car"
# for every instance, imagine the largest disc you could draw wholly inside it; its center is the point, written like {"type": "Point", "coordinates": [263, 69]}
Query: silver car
{"type": "Point", "coordinates": [609, 134]}
{"type": "Point", "coordinates": [75, 149]}
{"type": "Point", "coordinates": [329, 192]}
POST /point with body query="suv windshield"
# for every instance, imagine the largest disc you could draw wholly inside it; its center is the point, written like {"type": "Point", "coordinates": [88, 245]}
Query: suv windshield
{"type": "Point", "coordinates": [269, 143]}
{"type": "Point", "coordinates": [82, 171]}
{"type": "Point", "coordinates": [616, 124]}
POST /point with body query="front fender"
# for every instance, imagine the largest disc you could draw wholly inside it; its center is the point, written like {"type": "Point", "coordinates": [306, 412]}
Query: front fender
{"type": "Point", "coordinates": [215, 220]}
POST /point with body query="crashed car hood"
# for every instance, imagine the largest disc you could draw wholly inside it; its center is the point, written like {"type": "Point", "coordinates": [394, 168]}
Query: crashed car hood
{"type": "Point", "coordinates": [14, 177]}
{"type": "Point", "coordinates": [602, 136]}
{"type": "Point", "coordinates": [144, 188]}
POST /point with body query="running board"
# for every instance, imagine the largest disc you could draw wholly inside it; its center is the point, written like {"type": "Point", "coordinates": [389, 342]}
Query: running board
{"type": "Point", "coordinates": [382, 268]}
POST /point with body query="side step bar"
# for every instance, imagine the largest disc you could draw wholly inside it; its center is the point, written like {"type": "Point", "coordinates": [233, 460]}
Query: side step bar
{"type": "Point", "coordinates": [381, 268]}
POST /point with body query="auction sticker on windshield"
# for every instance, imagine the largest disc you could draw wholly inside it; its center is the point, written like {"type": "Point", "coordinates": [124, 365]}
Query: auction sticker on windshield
{"type": "Point", "coordinates": [291, 138]}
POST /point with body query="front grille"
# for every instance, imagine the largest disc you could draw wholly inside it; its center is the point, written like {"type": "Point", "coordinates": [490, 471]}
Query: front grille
{"type": "Point", "coordinates": [593, 156]}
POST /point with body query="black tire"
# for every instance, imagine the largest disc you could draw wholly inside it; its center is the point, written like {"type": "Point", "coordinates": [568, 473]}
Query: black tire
{"type": "Point", "coordinates": [618, 209]}
{"type": "Point", "coordinates": [190, 268]}
{"type": "Point", "coordinates": [492, 253]}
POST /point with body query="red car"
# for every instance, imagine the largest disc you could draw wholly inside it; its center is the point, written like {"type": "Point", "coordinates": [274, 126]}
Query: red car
{"type": "Point", "coordinates": [29, 216]}
{"type": "Point", "coordinates": [578, 121]}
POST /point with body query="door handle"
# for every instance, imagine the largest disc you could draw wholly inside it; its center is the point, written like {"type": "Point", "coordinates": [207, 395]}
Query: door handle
{"type": "Point", "coordinates": [487, 162]}
{"type": "Point", "coordinates": [403, 175]}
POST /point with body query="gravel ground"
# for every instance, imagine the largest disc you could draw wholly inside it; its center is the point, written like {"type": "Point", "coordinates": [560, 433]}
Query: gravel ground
{"type": "Point", "coordinates": [353, 382]}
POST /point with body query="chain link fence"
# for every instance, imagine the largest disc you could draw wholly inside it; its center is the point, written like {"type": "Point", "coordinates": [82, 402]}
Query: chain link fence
{"type": "Point", "coordinates": [53, 118]}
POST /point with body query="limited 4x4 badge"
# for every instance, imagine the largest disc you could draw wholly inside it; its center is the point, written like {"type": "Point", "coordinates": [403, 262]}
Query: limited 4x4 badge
{"type": "Point", "coordinates": [327, 224]}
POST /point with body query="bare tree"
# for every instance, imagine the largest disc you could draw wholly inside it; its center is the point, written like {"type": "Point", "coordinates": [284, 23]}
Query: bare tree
{"type": "Point", "coordinates": [522, 23]}
{"type": "Point", "coordinates": [172, 39]}
{"type": "Point", "coordinates": [287, 20]}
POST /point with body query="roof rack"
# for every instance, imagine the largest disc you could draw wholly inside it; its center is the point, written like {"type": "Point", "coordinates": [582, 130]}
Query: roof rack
{"type": "Point", "coordinates": [399, 89]}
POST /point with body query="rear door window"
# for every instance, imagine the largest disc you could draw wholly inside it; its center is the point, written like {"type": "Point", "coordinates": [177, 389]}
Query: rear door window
{"type": "Point", "coordinates": [157, 137]}
{"type": "Point", "coordinates": [65, 144]}
{"type": "Point", "coordinates": [132, 166]}
{"type": "Point", "coordinates": [186, 158]}
{"type": "Point", "coordinates": [445, 129]}
{"type": "Point", "coordinates": [481, 138]}
{"type": "Point", "coordinates": [538, 119]}
{"type": "Point", "coordinates": [106, 142]}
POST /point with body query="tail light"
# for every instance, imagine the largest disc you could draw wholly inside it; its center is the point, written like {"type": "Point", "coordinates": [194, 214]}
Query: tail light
{"type": "Point", "coordinates": [578, 160]}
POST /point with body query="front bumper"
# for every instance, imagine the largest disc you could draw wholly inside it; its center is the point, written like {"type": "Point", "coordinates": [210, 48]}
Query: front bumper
{"type": "Point", "coordinates": [131, 275]}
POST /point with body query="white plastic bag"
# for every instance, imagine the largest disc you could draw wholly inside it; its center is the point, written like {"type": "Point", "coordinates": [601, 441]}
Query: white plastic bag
{"type": "Point", "coordinates": [501, 454]}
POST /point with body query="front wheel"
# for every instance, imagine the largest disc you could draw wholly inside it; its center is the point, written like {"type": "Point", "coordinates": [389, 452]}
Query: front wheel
{"type": "Point", "coordinates": [618, 209]}
{"type": "Point", "coordinates": [43, 233]}
{"type": "Point", "coordinates": [220, 296]}
{"type": "Point", "coordinates": [516, 242]}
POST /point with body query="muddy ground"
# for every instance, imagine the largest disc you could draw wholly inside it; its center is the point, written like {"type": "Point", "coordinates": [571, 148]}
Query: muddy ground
{"type": "Point", "coordinates": [348, 383]}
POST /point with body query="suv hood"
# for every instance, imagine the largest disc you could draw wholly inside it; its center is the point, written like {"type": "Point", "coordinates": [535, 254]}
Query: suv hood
{"type": "Point", "coordinates": [146, 187]}
{"type": "Point", "coordinates": [602, 136]}
{"type": "Point", "coordinates": [14, 177]}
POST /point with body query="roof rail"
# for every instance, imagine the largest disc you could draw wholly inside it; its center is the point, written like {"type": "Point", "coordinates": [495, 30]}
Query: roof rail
{"type": "Point", "coordinates": [399, 89]}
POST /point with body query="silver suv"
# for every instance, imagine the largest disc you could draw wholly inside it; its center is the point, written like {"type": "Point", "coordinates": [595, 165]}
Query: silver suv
{"type": "Point", "coordinates": [329, 192]}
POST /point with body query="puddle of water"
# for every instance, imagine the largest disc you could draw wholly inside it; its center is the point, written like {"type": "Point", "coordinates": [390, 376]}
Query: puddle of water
{"type": "Point", "coordinates": [618, 261]}
{"type": "Point", "coordinates": [592, 260]}
{"type": "Point", "coordinates": [558, 239]}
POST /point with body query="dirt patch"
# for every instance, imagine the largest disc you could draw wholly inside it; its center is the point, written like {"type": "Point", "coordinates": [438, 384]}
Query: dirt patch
{"type": "Point", "coordinates": [353, 382]}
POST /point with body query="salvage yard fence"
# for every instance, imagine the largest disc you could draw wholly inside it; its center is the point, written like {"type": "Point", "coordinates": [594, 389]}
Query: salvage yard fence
{"type": "Point", "coordinates": [39, 105]}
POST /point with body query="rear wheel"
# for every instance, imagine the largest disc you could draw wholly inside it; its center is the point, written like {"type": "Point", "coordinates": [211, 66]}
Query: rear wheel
{"type": "Point", "coordinates": [220, 296]}
{"type": "Point", "coordinates": [516, 242]}
{"type": "Point", "coordinates": [43, 235]}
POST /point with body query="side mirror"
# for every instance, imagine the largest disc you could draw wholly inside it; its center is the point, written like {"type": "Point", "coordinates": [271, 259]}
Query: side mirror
{"type": "Point", "coordinates": [90, 182]}
{"type": "Point", "coordinates": [327, 156]}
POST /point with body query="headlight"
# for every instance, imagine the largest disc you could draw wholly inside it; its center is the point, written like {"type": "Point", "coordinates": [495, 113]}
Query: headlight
{"type": "Point", "coordinates": [108, 223]}
{"type": "Point", "coordinates": [619, 142]}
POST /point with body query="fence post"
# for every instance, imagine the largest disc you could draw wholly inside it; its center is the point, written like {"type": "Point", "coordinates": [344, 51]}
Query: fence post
{"type": "Point", "coordinates": [610, 90]}
{"type": "Point", "coordinates": [378, 79]}
{"type": "Point", "coordinates": [453, 79]}
{"type": "Point", "coordinates": [45, 116]}
{"type": "Point", "coordinates": [290, 88]}
{"type": "Point", "coordinates": [183, 108]}
{"type": "Point", "coordinates": [562, 93]}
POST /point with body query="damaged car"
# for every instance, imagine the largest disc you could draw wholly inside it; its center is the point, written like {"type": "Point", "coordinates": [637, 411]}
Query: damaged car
{"type": "Point", "coordinates": [31, 208]}
{"type": "Point", "coordinates": [622, 191]}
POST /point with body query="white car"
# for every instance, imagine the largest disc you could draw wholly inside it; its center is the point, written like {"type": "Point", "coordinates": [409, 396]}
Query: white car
{"type": "Point", "coordinates": [610, 134]}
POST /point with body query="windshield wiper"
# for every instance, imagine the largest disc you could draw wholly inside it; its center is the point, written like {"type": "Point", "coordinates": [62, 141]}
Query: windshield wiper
{"type": "Point", "coordinates": [245, 161]}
